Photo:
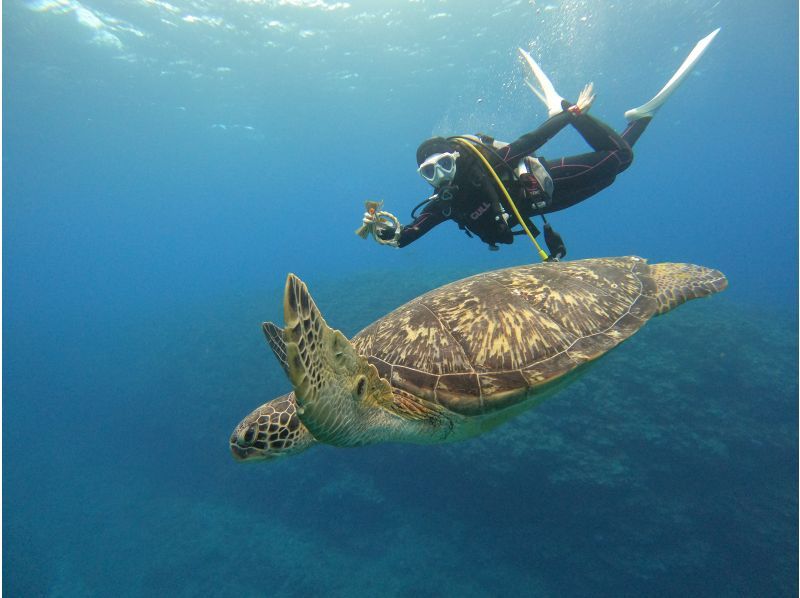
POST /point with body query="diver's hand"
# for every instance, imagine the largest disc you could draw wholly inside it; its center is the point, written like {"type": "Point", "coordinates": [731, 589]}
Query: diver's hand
{"type": "Point", "coordinates": [383, 230]}
{"type": "Point", "coordinates": [386, 232]}
{"type": "Point", "coordinates": [585, 100]}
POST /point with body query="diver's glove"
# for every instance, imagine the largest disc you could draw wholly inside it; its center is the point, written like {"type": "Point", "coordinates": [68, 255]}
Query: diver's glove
{"type": "Point", "coordinates": [585, 101]}
{"type": "Point", "coordinates": [382, 226]}
{"type": "Point", "coordinates": [386, 232]}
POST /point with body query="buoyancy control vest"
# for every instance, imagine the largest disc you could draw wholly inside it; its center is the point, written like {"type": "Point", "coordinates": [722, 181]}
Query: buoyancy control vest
{"type": "Point", "coordinates": [476, 204]}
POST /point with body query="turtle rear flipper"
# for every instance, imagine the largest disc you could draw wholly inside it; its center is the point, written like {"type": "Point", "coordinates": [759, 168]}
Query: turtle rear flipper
{"type": "Point", "coordinates": [338, 391]}
{"type": "Point", "coordinates": [679, 283]}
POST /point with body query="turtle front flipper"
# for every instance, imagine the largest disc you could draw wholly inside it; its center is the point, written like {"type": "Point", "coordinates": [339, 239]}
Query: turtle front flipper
{"type": "Point", "coordinates": [339, 394]}
{"type": "Point", "coordinates": [274, 336]}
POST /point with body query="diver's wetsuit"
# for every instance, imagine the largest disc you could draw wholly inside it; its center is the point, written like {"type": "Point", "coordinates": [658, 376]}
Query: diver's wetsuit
{"type": "Point", "coordinates": [474, 201]}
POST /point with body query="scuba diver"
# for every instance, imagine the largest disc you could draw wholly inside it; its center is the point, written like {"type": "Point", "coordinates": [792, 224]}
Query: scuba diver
{"type": "Point", "coordinates": [488, 187]}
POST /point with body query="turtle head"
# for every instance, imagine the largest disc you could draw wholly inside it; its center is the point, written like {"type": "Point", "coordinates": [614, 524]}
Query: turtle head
{"type": "Point", "coordinates": [273, 430]}
{"type": "Point", "coordinates": [340, 396]}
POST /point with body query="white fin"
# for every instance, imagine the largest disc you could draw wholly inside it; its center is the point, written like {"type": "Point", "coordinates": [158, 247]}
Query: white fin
{"type": "Point", "coordinates": [548, 93]}
{"type": "Point", "coordinates": [538, 93]}
{"type": "Point", "coordinates": [650, 108]}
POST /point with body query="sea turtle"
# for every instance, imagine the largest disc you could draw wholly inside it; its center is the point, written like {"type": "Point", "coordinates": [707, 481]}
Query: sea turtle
{"type": "Point", "coordinates": [458, 360]}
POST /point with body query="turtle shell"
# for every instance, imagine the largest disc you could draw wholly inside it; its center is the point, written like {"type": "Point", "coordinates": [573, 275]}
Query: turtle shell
{"type": "Point", "coordinates": [487, 342]}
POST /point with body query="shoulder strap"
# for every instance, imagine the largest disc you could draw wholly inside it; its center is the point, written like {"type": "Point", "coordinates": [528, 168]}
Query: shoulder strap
{"type": "Point", "coordinates": [468, 144]}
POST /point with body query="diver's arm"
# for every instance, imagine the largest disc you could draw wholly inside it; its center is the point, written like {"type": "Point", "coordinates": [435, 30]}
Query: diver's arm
{"type": "Point", "coordinates": [430, 216]}
{"type": "Point", "coordinates": [570, 113]}
{"type": "Point", "coordinates": [530, 142]}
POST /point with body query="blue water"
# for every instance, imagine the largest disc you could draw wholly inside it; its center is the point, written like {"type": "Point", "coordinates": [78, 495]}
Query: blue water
{"type": "Point", "coordinates": [167, 163]}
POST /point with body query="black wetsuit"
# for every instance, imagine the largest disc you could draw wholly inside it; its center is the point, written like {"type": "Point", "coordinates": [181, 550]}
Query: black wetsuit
{"type": "Point", "coordinates": [474, 201]}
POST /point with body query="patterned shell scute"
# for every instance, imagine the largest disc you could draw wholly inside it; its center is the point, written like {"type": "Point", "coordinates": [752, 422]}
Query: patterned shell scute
{"type": "Point", "coordinates": [412, 336]}
{"type": "Point", "coordinates": [476, 345]}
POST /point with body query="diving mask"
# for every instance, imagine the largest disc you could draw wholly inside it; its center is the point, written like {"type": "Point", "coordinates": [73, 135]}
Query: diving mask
{"type": "Point", "coordinates": [439, 168]}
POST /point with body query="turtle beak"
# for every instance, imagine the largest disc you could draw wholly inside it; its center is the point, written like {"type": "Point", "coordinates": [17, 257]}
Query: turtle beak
{"type": "Point", "coordinates": [238, 453]}
{"type": "Point", "coordinates": [244, 445]}
{"type": "Point", "coordinates": [270, 432]}
{"type": "Point", "coordinates": [241, 449]}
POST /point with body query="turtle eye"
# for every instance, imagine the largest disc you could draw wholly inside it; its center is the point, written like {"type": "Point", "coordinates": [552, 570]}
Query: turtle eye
{"type": "Point", "coordinates": [361, 386]}
{"type": "Point", "coordinates": [249, 434]}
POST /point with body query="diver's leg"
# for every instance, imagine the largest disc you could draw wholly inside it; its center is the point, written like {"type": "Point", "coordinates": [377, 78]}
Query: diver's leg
{"type": "Point", "coordinates": [634, 129]}
{"type": "Point", "coordinates": [599, 135]}
{"type": "Point", "coordinates": [575, 183]}
{"type": "Point", "coordinates": [576, 178]}
{"type": "Point", "coordinates": [610, 147]}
